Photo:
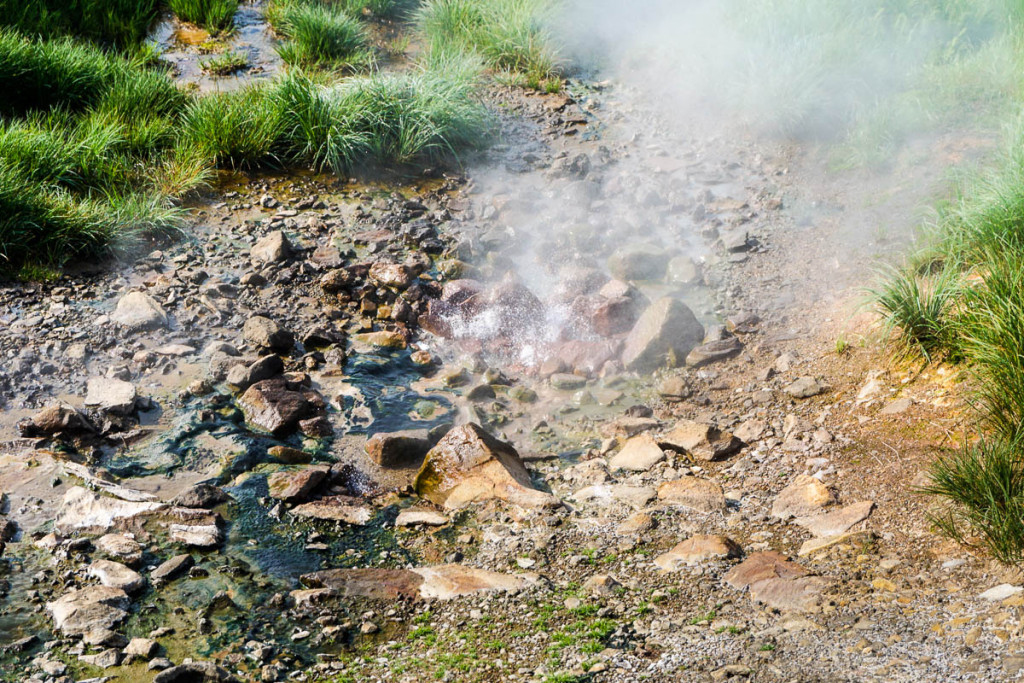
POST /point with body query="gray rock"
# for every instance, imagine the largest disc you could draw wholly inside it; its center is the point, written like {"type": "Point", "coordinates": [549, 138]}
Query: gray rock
{"type": "Point", "coordinates": [85, 609]}
{"type": "Point", "coordinates": [638, 263]}
{"type": "Point", "coordinates": [712, 352]}
{"type": "Point", "coordinates": [111, 395]}
{"type": "Point", "coordinates": [173, 567]}
{"type": "Point", "coordinates": [117, 575]}
{"type": "Point", "coordinates": [399, 449]}
{"type": "Point", "coordinates": [665, 333]}
{"type": "Point", "coordinates": [204, 496]}
{"type": "Point", "coordinates": [195, 672]}
{"type": "Point", "coordinates": [267, 334]}
{"type": "Point", "coordinates": [139, 311]}
{"type": "Point", "coordinates": [144, 648]}
{"type": "Point", "coordinates": [804, 387]}
{"type": "Point", "coordinates": [273, 248]}
{"type": "Point", "coordinates": [57, 419]}
{"type": "Point", "coordinates": [244, 376]}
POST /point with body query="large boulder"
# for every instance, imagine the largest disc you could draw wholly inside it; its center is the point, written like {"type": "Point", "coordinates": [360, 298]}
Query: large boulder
{"type": "Point", "coordinates": [665, 333]}
{"type": "Point", "coordinates": [85, 609]}
{"type": "Point", "coordinates": [470, 465]}
{"type": "Point", "coordinates": [82, 510]}
{"type": "Point", "coordinates": [195, 672]}
{"type": "Point", "coordinates": [139, 311]}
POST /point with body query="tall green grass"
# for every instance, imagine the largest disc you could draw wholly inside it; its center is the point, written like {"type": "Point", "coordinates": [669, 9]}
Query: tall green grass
{"type": "Point", "coordinates": [213, 15]}
{"type": "Point", "coordinates": [511, 35]}
{"type": "Point", "coordinates": [119, 23]}
{"type": "Point", "coordinates": [319, 34]}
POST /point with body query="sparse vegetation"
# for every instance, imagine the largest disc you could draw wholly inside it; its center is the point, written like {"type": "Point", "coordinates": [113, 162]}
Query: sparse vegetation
{"type": "Point", "coordinates": [213, 15]}
{"type": "Point", "coordinates": [225, 64]}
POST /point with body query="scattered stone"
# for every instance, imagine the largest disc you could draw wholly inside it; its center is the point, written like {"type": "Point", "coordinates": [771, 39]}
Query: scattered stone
{"type": "Point", "coordinates": [336, 508]}
{"type": "Point", "coordinates": [638, 263]}
{"type": "Point", "coordinates": [111, 395]}
{"type": "Point", "coordinates": [243, 376]}
{"type": "Point", "coordinates": [837, 522]}
{"type": "Point", "coordinates": [201, 496]}
{"type": "Point", "coordinates": [814, 545]}
{"type": "Point", "coordinates": [295, 485]}
{"type": "Point", "coordinates": [1001, 592]}
{"type": "Point", "coordinates": [567, 382]}
{"type": "Point", "coordinates": [700, 440]}
{"type": "Point", "coordinates": [804, 497]}
{"type": "Point", "coordinates": [274, 406]}
{"type": "Point", "coordinates": [395, 450]}
{"type": "Point", "coordinates": [194, 672]}
{"type": "Point", "coordinates": [804, 387]}
{"type": "Point", "coordinates": [273, 248]}
{"type": "Point", "coordinates": [414, 516]}
{"type": "Point", "coordinates": [615, 494]}
{"type": "Point", "coordinates": [85, 609]}
{"type": "Point", "coordinates": [117, 575]}
{"type": "Point", "coordinates": [196, 535]}
{"type": "Point", "coordinates": [469, 465]}
{"type": "Point", "coordinates": [674, 389]}
{"type": "Point", "coordinates": [637, 523]}
{"type": "Point", "coordinates": [698, 550]}
{"type": "Point", "coordinates": [897, 407]}
{"type": "Point", "coordinates": [172, 568]}
{"type": "Point", "coordinates": [697, 494]}
{"type": "Point", "coordinates": [665, 333]}
{"type": "Point", "coordinates": [267, 334]}
{"type": "Point", "coordinates": [777, 582]}
{"type": "Point", "coordinates": [442, 582]}
{"type": "Point", "coordinates": [712, 352]}
{"type": "Point", "coordinates": [139, 311]}
{"type": "Point", "coordinates": [59, 419]}
{"type": "Point", "coordinates": [144, 648]}
{"type": "Point", "coordinates": [394, 275]}
{"type": "Point", "coordinates": [81, 509]}
{"type": "Point", "coordinates": [601, 584]}
{"type": "Point", "coordinates": [640, 454]}
{"type": "Point", "coordinates": [104, 660]}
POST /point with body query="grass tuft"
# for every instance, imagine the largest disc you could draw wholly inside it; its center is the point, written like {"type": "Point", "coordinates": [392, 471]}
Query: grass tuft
{"type": "Point", "coordinates": [917, 310]}
{"type": "Point", "coordinates": [320, 35]}
{"type": "Point", "coordinates": [213, 15]}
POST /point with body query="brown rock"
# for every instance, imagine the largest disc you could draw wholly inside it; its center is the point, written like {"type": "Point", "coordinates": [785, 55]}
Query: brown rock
{"type": "Point", "coordinates": [712, 352]}
{"type": "Point", "coordinates": [837, 522]}
{"type": "Point", "coordinates": [294, 485]}
{"type": "Point", "coordinates": [399, 449]}
{"type": "Point", "coordinates": [273, 406]}
{"type": "Point", "coordinates": [639, 454]}
{"type": "Point", "coordinates": [469, 465]}
{"type": "Point", "coordinates": [762, 566]}
{"type": "Point", "coordinates": [271, 249]}
{"type": "Point", "coordinates": [697, 494]}
{"type": "Point", "coordinates": [665, 333]}
{"type": "Point", "coordinates": [267, 334]}
{"type": "Point", "coordinates": [336, 508]}
{"type": "Point", "coordinates": [698, 550]}
{"type": "Point", "coordinates": [805, 496]}
{"type": "Point", "coordinates": [57, 419]}
{"type": "Point", "coordinates": [441, 582]}
{"type": "Point", "coordinates": [92, 607]}
{"type": "Point", "coordinates": [700, 440]}
{"type": "Point", "coordinates": [394, 275]}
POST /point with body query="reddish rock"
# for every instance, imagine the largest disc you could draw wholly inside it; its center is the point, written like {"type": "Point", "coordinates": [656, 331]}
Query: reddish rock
{"type": "Point", "coordinates": [399, 449]}
{"type": "Point", "coordinates": [293, 485]}
{"type": "Point", "coordinates": [274, 406]}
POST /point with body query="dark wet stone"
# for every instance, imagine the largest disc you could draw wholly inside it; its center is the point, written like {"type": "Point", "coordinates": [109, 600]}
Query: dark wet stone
{"type": "Point", "coordinates": [274, 406]}
{"type": "Point", "coordinates": [173, 567]}
{"type": "Point", "coordinates": [399, 449]}
{"type": "Point", "coordinates": [244, 376]}
{"type": "Point", "coordinates": [266, 333]}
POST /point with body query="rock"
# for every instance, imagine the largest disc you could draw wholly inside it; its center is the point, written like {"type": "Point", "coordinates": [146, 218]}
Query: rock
{"type": "Point", "coordinates": [751, 430]}
{"type": "Point", "coordinates": [81, 509]}
{"type": "Point", "coordinates": [601, 584]}
{"type": "Point", "coordinates": [897, 407]}
{"type": "Point", "coordinates": [856, 538]}
{"type": "Point", "coordinates": [121, 547]}
{"type": "Point", "coordinates": [698, 550]}
{"type": "Point", "coordinates": [399, 449]}
{"type": "Point", "coordinates": [295, 485]}
{"type": "Point", "coordinates": [614, 316]}
{"type": "Point", "coordinates": [111, 395]}
{"type": "Point", "coordinates": [337, 508]}
{"type": "Point", "coordinates": [803, 497]}
{"type": "Point", "coordinates": [442, 582]}
{"type": "Point", "coordinates": [267, 334]}
{"type": "Point", "coordinates": [104, 660]}
{"type": "Point", "coordinates": [838, 521]}
{"type": "Point", "coordinates": [665, 333]}
{"type": "Point", "coordinates": [138, 311]}
{"type": "Point", "coordinates": [712, 352]}
{"type": "Point", "coordinates": [393, 275]}
{"type": "Point", "coordinates": [469, 465]}
{"type": "Point", "coordinates": [674, 389]}
{"type": "Point", "coordinates": [201, 496]}
{"type": "Point", "coordinates": [382, 339]}
{"type": "Point", "coordinates": [117, 575]}
{"type": "Point", "coordinates": [615, 494]}
{"type": "Point", "coordinates": [8, 528]}
{"type": "Point", "coordinates": [320, 336]}
{"type": "Point", "coordinates": [85, 609]}
{"type": "Point", "coordinates": [243, 376]}
{"type": "Point", "coordinates": [638, 263]}
{"type": "Point", "coordinates": [173, 567]}
{"type": "Point", "coordinates": [144, 648]}
{"type": "Point", "coordinates": [1001, 592]}
{"type": "Point", "coordinates": [697, 494]}
{"type": "Point", "coordinates": [702, 441]}
{"type": "Point", "coordinates": [637, 523]}
{"type": "Point", "coordinates": [194, 672]}
{"type": "Point", "coordinates": [682, 271]}
{"type": "Point", "coordinates": [273, 406]}
{"type": "Point", "coordinates": [273, 248]}
{"type": "Point", "coordinates": [414, 516]}
{"type": "Point", "coordinates": [196, 535]}
{"type": "Point", "coordinates": [58, 419]}
{"type": "Point", "coordinates": [289, 455]}
{"type": "Point", "coordinates": [639, 454]}
{"type": "Point", "coordinates": [804, 387]}
{"type": "Point", "coordinates": [777, 582]}
{"type": "Point", "coordinates": [567, 382]}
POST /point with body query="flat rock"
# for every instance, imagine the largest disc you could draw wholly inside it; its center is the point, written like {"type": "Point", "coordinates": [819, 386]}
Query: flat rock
{"type": "Point", "coordinates": [790, 595]}
{"type": "Point", "coordinates": [804, 497]}
{"type": "Point", "coordinates": [398, 450]}
{"type": "Point", "coordinates": [107, 659]}
{"type": "Point", "coordinates": [337, 508]}
{"type": "Point", "coordinates": [697, 550]}
{"type": "Point", "coordinates": [665, 333]}
{"type": "Point", "coordinates": [121, 547]}
{"type": "Point", "coordinates": [139, 311]}
{"type": "Point", "coordinates": [804, 387]}
{"type": "Point", "coordinates": [275, 407]}
{"type": "Point", "coordinates": [414, 516]}
{"type": "Point", "coordinates": [700, 440]}
{"type": "Point", "coordinates": [713, 352]}
{"type": "Point", "coordinates": [196, 535]}
{"type": "Point", "coordinates": [144, 648]}
{"type": "Point", "coordinates": [201, 496]}
{"type": "Point", "coordinates": [469, 465]}
{"type": "Point", "coordinates": [173, 567]}
{"type": "Point", "coordinates": [295, 485]}
{"type": "Point", "coordinates": [615, 494]}
{"type": "Point", "coordinates": [111, 395]}
{"type": "Point", "coordinates": [442, 582]}
{"type": "Point", "coordinates": [1001, 592]}
{"type": "Point", "coordinates": [639, 454]}
{"type": "Point", "coordinates": [637, 523]}
{"type": "Point", "coordinates": [272, 248]}
{"type": "Point", "coordinates": [697, 494]}
{"type": "Point", "coordinates": [897, 407]}
{"type": "Point", "coordinates": [814, 545]}
{"type": "Point", "coordinates": [838, 521]}
{"type": "Point", "coordinates": [85, 609]}
{"type": "Point", "coordinates": [81, 509]}
{"type": "Point", "coordinates": [116, 575]}
{"type": "Point", "coordinates": [762, 566]}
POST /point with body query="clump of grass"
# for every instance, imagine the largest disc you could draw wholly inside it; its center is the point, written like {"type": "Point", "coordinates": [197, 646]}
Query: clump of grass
{"type": "Point", "coordinates": [225, 64]}
{"type": "Point", "coordinates": [321, 35]}
{"type": "Point", "coordinates": [213, 15]}
{"type": "Point", "coordinates": [509, 34]}
{"type": "Point", "coordinates": [984, 487]}
{"type": "Point", "coordinates": [119, 23]}
{"type": "Point", "coordinates": [918, 310]}
{"type": "Point", "coordinates": [237, 129]}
